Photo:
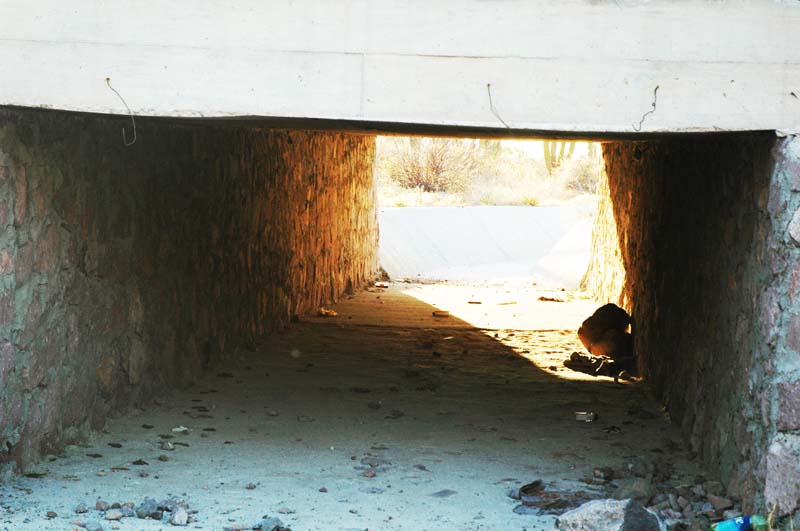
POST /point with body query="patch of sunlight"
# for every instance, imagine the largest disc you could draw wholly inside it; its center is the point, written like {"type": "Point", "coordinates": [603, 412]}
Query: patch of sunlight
{"type": "Point", "coordinates": [517, 306]}
{"type": "Point", "coordinates": [538, 325]}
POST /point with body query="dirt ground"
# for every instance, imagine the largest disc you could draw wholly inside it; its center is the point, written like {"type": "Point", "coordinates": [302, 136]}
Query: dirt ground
{"type": "Point", "coordinates": [382, 417]}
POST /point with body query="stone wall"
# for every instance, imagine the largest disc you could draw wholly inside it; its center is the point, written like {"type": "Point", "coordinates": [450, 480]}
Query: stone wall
{"type": "Point", "coordinates": [125, 270]}
{"type": "Point", "coordinates": [700, 234]}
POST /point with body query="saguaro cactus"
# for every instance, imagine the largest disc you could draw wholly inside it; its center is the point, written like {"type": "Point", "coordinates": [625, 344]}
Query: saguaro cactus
{"type": "Point", "coordinates": [556, 152]}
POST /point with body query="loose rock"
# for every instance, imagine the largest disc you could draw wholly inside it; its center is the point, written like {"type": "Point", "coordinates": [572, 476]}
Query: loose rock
{"type": "Point", "coordinates": [271, 524]}
{"type": "Point", "coordinates": [640, 489]}
{"type": "Point", "coordinates": [180, 517]}
{"type": "Point", "coordinates": [720, 503]}
{"type": "Point", "coordinates": [148, 509]}
{"type": "Point", "coordinates": [610, 515]}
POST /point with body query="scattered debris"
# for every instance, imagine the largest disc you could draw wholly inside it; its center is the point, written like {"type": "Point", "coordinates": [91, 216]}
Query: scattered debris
{"type": "Point", "coordinates": [441, 313]}
{"type": "Point", "coordinates": [537, 501]}
{"type": "Point", "coordinates": [444, 493]}
{"type": "Point", "coordinates": [327, 312]}
{"type": "Point", "coordinates": [527, 491]}
{"type": "Point", "coordinates": [585, 416]}
{"type": "Point", "coordinates": [383, 285]}
{"type": "Point", "coordinates": [550, 299]}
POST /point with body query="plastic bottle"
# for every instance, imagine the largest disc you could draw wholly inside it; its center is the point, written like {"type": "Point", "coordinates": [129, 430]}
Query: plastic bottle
{"type": "Point", "coordinates": [755, 522]}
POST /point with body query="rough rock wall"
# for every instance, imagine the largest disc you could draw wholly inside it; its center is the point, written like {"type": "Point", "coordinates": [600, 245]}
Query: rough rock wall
{"type": "Point", "coordinates": [711, 277]}
{"type": "Point", "coordinates": [780, 325]}
{"type": "Point", "coordinates": [127, 269]}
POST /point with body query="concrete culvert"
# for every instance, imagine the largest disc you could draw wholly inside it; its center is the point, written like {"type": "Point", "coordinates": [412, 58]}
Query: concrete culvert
{"type": "Point", "coordinates": [161, 339]}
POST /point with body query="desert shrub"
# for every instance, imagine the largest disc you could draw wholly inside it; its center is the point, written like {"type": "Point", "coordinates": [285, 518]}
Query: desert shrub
{"type": "Point", "coordinates": [580, 175]}
{"type": "Point", "coordinates": [429, 164]}
{"type": "Point", "coordinates": [455, 172]}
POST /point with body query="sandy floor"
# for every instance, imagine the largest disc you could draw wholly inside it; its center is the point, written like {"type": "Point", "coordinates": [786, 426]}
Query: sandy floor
{"type": "Point", "coordinates": [448, 416]}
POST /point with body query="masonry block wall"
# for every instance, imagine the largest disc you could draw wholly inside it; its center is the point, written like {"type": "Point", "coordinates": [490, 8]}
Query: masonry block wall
{"type": "Point", "coordinates": [126, 270]}
{"type": "Point", "coordinates": [704, 257]}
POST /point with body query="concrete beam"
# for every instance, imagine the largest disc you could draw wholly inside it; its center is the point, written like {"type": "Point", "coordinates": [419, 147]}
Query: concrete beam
{"type": "Point", "coordinates": [569, 66]}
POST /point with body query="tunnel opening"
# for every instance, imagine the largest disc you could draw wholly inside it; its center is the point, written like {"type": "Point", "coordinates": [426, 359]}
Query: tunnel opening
{"type": "Point", "coordinates": [192, 265]}
{"type": "Point", "coordinates": [477, 210]}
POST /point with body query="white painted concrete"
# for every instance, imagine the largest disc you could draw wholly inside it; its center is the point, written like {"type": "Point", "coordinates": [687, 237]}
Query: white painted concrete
{"type": "Point", "coordinates": [553, 65]}
{"type": "Point", "coordinates": [547, 245]}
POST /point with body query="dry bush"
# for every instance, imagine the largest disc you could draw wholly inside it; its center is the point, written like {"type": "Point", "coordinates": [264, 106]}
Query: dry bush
{"type": "Point", "coordinates": [456, 172]}
{"type": "Point", "coordinates": [580, 174]}
{"type": "Point", "coordinates": [429, 164]}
